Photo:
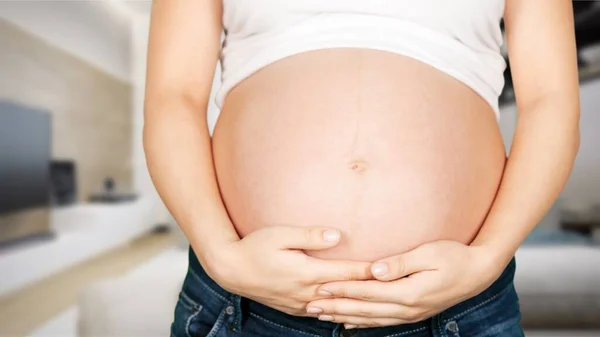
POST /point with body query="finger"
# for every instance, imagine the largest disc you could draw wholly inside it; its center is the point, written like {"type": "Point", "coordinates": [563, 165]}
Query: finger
{"type": "Point", "coordinates": [392, 268]}
{"type": "Point", "coordinates": [363, 322]}
{"type": "Point", "coordinates": [322, 271]}
{"type": "Point", "coordinates": [357, 308]}
{"type": "Point", "coordinates": [405, 291]}
{"type": "Point", "coordinates": [305, 238]}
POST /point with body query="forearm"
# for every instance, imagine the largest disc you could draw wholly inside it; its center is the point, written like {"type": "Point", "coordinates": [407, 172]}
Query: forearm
{"type": "Point", "coordinates": [179, 157]}
{"type": "Point", "coordinates": [541, 158]}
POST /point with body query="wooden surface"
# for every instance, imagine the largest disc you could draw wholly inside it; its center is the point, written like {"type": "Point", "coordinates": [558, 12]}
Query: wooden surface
{"type": "Point", "coordinates": [26, 310]}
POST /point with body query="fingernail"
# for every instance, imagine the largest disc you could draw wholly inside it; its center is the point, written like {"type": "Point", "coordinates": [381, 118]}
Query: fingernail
{"type": "Point", "coordinates": [331, 235]}
{"type": "Point", "coordinates": [379, 269]}
{"type": "Point", "coordinates": [313, 310]}
{"type": "Point", "coordinates": [324, 293]}
{"type": "Point", "coordinates": [350, 326]}
{"type": "Point", "coordinates": [325, 318]}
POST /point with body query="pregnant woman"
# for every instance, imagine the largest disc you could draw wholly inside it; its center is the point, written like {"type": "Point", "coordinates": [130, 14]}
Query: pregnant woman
{"type": "Point", "coordinates": [356, 182]}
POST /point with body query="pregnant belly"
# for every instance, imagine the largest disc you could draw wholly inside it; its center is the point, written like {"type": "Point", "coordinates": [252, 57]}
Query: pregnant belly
{"type": "Point", "coordinates": [390, 151]}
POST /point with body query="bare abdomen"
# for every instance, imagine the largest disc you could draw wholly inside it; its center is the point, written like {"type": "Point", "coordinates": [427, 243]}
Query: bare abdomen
{"type": "Point", "coordinates": [389, 150]}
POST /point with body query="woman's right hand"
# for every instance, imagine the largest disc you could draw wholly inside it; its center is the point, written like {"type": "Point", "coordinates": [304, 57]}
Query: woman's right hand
{"type": "Point", "coordinates": [269, 266]}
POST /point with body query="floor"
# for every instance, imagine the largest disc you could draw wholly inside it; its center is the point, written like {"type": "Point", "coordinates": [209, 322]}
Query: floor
{"type": "Point", "coordinates": [27, 310]}
{"type": "Point", "coordinates": [63, 325]}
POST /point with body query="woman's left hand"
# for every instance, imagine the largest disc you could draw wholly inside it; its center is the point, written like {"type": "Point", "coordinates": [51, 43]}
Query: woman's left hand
{"type": "Point", "coordinates": [410, 287]}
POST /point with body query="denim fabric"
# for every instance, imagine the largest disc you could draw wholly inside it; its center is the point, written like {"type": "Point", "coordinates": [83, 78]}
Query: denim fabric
{"type": "Point", "coordinates": [206, 310]}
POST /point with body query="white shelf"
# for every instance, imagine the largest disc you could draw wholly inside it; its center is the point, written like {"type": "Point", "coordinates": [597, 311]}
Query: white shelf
{"type": "Point", "coordinates": [82, 232]}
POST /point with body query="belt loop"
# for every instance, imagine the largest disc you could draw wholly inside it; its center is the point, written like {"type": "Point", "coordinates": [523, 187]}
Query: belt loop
{"type": "Point", "coordinates": [236, 325]}
{"type": "Point", "coordinates": [436, 326]}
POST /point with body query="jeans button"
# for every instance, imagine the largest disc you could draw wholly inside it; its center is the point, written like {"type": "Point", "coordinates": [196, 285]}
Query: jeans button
{"type": "Point", "coordinates": [229, 310]}
{"type": "Point", "coordinates": [452, 326]}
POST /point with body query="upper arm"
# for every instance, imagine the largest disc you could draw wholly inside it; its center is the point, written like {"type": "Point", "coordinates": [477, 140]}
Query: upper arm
{"type": "Point", "coordinates": [541, 47]}
{"type": "Point", "coordinates": [183, 50]}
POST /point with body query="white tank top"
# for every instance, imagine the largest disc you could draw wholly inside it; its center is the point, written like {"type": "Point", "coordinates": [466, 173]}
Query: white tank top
{"type": "Point", "coordinates": [459, 37]}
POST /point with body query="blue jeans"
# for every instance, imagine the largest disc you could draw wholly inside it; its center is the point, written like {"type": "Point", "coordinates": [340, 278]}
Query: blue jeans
{"type": "Point", "coordinates": [205, 309]}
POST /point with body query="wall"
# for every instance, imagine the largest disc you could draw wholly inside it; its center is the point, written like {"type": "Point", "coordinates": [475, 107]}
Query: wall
{"type": "Point", "coordinates": [91, 109]}
{"type": "Point", "coordinates": [94, 31]}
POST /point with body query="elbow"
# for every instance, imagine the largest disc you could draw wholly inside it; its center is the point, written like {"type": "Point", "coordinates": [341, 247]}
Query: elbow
{"type": "Point", "coordinates": [575, 129]}
{"type": "Point", "coordinates": [576, 140]}
{"type": "Point", "coordinates": [174, 104]}
{"type": "Point", "coordinates": [147, 141]}
{"type": "Point", "coordinates": [146, 138]}
{"type": "Point", "coordinates": [150, 118]}
{"type": "Point", "coordinates": [170, 113]}
{"type": "Point", "coordinates": [571, 130]}
{"type": "Point", "coordinates": [156, 112]}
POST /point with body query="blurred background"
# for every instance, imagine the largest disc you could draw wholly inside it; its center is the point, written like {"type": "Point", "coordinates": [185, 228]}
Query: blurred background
{"type": "Point", "coordinates": [88, 249]}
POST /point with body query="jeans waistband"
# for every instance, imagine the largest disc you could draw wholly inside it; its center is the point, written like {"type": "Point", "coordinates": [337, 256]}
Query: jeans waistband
{"type": "Point", "coordinates": [244, 307]}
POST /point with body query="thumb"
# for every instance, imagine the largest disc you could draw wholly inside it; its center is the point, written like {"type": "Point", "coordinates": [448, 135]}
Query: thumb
{"type": "Point", "coordinates": [401, 265]}
{"type": "Point", "coordinates": [305, 238]}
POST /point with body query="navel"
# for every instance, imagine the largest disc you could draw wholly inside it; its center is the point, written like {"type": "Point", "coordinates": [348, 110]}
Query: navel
{"type": "Point", "coordinates": [359, 166]}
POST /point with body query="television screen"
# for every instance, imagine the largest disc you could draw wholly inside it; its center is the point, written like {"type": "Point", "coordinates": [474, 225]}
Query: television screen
{"type": "Point", "coordinates": [24, 157]}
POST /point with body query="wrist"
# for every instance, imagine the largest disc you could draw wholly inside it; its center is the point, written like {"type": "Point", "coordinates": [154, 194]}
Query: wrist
{"type": "Point", "coordinates": [494, 258]}
{"type": "Point", "coordinates": [217, 258]}
{"type": "Point", "coordinates": [499, 247]}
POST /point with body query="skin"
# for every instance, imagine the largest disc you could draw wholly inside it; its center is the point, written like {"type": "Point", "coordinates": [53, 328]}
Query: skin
{"type": "Point", "coordinates": [399, 153]}
{"type": "Point", "coordinates": [546, 141]}
{"type": "Point", "coordinates": [435, 276]}
{"type": "Point", "coordinates": [178, 152]}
